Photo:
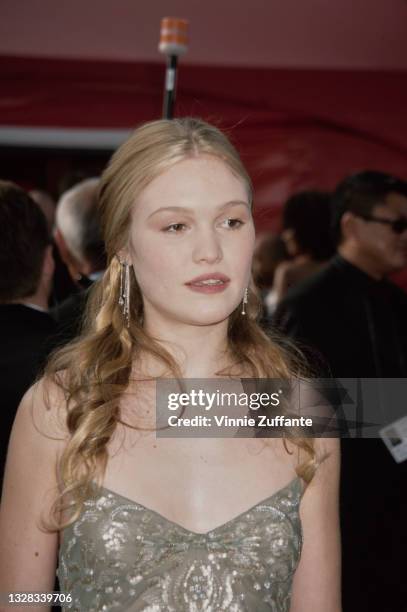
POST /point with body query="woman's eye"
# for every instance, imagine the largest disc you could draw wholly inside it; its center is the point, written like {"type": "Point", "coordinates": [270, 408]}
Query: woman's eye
{"type": "Point", "coordinates": [234, 223]}
{"type": "Point", "coordinates": [174, 228]}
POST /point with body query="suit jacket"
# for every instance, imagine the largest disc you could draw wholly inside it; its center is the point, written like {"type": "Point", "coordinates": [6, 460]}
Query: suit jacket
{"type": "Point", "coordinates": [357, 324]}
{"type": "Point", "coordinates": [69, 316]}
{"type": "Point", "coordinates": [26, 340]}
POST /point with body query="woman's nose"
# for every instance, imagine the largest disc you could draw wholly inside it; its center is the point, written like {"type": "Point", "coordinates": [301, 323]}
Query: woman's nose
{"type": "Point", "coordinates": [207, 246]}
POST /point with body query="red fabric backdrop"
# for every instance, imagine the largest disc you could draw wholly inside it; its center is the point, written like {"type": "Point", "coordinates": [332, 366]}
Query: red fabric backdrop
{"type": "Point", "coordinates": [295, 128]}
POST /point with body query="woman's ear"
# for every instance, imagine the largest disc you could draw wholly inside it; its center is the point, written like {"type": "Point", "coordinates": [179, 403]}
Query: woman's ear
{"type": "Point", "coordinates": [123, 256]}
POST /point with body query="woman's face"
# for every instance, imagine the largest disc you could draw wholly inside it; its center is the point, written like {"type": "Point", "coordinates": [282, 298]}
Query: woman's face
{"type": "Point", "coordinates": [192, 220]}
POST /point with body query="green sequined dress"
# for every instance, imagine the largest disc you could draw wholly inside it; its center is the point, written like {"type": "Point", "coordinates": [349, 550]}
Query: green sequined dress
{"type": "Point", "coordinates": [120, 555]}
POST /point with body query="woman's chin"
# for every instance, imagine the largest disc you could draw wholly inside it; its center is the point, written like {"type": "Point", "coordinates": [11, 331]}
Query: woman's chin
{"type": "Point", "coordinates": [209, 316]}
{"type": "Point", "coordinates": [201, 314]}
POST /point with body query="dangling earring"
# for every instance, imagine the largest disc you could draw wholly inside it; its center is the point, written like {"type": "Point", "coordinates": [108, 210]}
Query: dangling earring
{"type": "Point", "coordinates": [245, 300]}
{"type": "Point", "coordinates": [124, 294]}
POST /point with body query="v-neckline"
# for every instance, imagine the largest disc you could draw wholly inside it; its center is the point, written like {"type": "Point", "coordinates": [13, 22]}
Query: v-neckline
{"type": "Point", "coordinates": [211, 531]}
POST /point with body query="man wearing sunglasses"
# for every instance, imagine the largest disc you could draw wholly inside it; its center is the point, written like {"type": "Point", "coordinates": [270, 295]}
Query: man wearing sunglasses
{"type": "Point", "coordinates": [349, 312]}
{"type": "Point", "coordinates": [356, 319]}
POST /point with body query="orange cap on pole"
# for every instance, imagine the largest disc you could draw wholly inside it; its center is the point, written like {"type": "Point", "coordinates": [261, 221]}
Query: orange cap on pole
{"type": "Point", "coordinates": [173, 36]}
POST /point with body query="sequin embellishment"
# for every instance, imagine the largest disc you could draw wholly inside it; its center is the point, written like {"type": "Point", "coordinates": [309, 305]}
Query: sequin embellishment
{"type": "Point", "coordinates": [121, 556]}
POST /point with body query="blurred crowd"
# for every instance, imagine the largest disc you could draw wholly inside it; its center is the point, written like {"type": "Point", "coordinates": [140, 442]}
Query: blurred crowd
{"type": "Point", "coordinates": [325, 284]}
{"type": "Point", "coordinates": [323, 280]}
{"type": "Point", "coordinates": [50, 254]}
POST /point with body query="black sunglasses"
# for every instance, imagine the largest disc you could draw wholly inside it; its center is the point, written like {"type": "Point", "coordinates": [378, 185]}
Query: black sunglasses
{"type": "Point", "coordinates": [398, 226]}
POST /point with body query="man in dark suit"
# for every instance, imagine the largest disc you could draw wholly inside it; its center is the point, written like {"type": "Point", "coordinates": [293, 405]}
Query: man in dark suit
{"type": "Point", "coordinates": [26, 327]}
{"type": "Point", "coordinates": [356, 320]}
{"type": "Point", "coordinates": [79, 240]}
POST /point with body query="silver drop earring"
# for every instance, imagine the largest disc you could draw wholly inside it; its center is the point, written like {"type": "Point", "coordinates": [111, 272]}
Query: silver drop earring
{"type": "Point", "coordinates": [124, 294]}
{"type": "Point", "coordinates": [245, 300]}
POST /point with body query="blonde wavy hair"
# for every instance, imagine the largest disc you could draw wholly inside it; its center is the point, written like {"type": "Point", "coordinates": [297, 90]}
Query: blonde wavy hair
{"type": "Point", "coordinates": [93, 371]}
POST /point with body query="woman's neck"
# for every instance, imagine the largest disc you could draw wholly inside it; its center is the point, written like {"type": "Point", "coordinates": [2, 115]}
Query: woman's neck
{"type": "Point", "coordinates": [199, 351]}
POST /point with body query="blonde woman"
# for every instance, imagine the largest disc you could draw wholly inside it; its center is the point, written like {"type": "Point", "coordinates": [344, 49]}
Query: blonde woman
{"type": "Point", "coordinates": [147, 523]}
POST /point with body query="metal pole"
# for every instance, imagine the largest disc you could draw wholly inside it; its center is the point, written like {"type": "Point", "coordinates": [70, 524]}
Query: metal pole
{"type": "Point", "coordinates": [173, 42]}
{"type": "Point", "coordinates": [170, 87]}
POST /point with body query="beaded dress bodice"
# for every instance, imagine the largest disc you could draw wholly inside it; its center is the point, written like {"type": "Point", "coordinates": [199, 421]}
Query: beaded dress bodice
{"type": "Point", "coordinates": [120, 555]}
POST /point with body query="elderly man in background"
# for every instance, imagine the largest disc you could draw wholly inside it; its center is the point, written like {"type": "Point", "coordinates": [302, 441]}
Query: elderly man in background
{"type": "Point", "coordinates": [79, 240]}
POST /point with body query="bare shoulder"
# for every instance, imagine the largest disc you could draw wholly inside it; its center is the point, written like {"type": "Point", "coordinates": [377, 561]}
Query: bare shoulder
{"type": "Point", "coordinates": [325, 458]}
{"type": "Point", "coordinates": [327, 447]}
{"type": "Point", "coordinates": [44, 408]}
{"type": "Point", "coordinates": [38, 436]}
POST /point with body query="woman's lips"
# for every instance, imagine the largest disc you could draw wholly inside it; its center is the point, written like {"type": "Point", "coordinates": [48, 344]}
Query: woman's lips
{"type": "Point", "coordinates": [201, 288]}
{"type": "Point", "coordinates": [212, 282]}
